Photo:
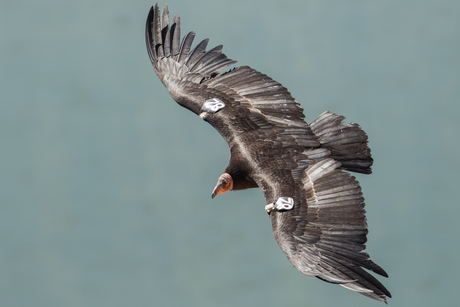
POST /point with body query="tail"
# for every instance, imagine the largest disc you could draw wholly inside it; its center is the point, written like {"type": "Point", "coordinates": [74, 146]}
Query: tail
{"type": "Point", "coordinates": [347, 143]}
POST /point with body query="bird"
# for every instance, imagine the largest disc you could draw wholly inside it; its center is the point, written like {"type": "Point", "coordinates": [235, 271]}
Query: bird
{"type": "Point", "coordinates": [315, 205]}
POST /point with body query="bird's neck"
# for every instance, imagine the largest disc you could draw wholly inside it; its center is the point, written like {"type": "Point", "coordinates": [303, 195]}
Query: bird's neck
{"type": "Point", "coordinates": [241, 178]}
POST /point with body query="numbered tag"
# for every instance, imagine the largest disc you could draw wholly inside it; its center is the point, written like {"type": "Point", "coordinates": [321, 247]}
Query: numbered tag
{"type": "Point", "coordinates": [213, 105]}
{"type": "Point", "coordinates": [284, 203]}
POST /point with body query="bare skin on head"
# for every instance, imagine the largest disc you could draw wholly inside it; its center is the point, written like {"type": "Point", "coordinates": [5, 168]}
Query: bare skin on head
{"type": "Point", "coordinates": [224, 184]}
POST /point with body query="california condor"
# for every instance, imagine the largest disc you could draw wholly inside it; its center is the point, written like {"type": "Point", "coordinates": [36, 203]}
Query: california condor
{"type": "Point", "coordinates": [316, 207]}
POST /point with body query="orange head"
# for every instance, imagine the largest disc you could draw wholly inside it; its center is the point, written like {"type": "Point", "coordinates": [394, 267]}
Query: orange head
{"type": "Point", "coordinates": [224, 184]}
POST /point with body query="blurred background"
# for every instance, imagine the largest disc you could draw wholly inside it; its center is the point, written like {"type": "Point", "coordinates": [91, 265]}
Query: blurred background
{"type": "Point", "coordinates": [106, 182]}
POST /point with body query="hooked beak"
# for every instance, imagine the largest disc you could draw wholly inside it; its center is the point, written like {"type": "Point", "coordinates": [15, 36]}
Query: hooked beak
{"type": "Point", "coordinates": [224, 184]}
{"type": "Point", "coordinates": [216, 190]}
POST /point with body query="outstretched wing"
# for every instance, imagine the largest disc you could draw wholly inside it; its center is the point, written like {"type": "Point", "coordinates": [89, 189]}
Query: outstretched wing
{"type": "Point", "coordinates": [255, 105]}
{"type": "Point", "coordinates": [324, 234]}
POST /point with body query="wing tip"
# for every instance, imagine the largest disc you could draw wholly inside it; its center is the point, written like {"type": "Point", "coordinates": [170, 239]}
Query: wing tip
{"type": "Point", "coordinates": [148, 34]}
{"type": "Point", "coordinates": [164, 40]}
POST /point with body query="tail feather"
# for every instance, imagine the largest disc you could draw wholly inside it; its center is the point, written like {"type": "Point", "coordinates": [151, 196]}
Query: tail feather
{"type": "Point", "coordinates": [347, 142]}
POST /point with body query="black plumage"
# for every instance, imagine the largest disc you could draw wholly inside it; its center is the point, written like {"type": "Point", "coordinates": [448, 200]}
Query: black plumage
{"type": "Point", "coordinates": [273, 148]}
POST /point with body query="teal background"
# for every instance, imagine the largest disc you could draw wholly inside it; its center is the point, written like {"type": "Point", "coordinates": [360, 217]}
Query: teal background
{"type": "Point", "coordinates": [105, 182]}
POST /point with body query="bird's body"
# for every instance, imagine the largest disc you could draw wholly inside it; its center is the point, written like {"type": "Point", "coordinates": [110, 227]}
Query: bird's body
{"type": "Point", "coordinates": [316, 207]}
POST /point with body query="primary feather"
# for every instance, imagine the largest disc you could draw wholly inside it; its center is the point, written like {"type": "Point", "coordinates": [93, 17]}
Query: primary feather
{"type": "Point", "coordinates": [273, 148]}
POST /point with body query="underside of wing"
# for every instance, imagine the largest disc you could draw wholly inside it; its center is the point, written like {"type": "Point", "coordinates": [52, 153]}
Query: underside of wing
{"type": "Point", "coordinates": [179, 67]}
{"type": "Point", "coordinates": [191, 77]}
{"type": "Point", "coordinates": [324, 234]}
{"type": "Point", "coordinates": [264, 95]}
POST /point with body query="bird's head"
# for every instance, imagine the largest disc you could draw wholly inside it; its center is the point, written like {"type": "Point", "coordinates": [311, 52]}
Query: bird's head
{"type": "Point", "coordinates": [224, 184]}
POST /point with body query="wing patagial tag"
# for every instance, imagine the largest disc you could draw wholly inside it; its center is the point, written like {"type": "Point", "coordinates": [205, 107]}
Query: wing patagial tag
{"type": "Point", "coordinates": [213, 105]}
{"type": "Point", "coordinates": [282, 204]}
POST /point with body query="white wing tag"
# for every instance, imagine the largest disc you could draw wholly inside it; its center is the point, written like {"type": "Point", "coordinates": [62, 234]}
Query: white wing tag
{"type": "Point", "coordinates": [212, 105]}
{"type": "Point", "coordinates": [282, 204]}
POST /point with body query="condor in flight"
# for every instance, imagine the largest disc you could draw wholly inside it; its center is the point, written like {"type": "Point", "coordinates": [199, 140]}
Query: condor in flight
{"type": "Point", "coordinates": [315, 206]}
